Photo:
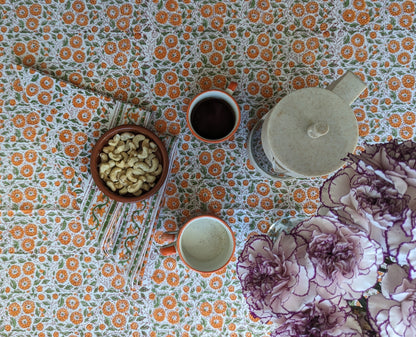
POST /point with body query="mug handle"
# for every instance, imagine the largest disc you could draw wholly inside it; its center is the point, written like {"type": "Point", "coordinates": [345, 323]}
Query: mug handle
{"type": "Point", "coordinates": [168, 250]}
{"type": "Point", "coordinates": [231, 88]}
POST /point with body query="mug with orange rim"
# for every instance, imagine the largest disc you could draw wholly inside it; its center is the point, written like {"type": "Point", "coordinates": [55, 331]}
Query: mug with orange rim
{"type": "Point", "coordinates": [213, 116]}
{"type": "Point", "coordinates": [205, 243]}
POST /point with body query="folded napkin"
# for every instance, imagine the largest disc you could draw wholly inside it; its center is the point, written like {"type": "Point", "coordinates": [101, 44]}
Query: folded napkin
{"type": "Point", "coordinates": [48, 130]}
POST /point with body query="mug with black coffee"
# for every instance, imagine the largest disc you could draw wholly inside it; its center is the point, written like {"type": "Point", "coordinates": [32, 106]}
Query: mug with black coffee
{"type": "Point", "coordinates": [214, 115]}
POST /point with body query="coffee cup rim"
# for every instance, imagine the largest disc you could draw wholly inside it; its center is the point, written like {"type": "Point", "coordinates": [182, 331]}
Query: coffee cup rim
{"type": "Point", "coordinates": [213, 141]}
{"type": "Point", "coordinates": [208, 217]}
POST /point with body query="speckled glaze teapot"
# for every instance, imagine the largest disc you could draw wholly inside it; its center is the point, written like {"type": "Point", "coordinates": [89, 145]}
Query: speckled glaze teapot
{"type": "Point", "coordinates": [311, 130]}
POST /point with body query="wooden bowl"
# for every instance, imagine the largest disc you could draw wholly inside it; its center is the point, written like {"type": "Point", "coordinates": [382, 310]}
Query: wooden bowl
{"type": "Point", "coordinates": [161, 154]}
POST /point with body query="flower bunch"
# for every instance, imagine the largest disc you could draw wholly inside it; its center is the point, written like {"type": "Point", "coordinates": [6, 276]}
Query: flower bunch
{"type": "Point", "coordinates": [306, 279]}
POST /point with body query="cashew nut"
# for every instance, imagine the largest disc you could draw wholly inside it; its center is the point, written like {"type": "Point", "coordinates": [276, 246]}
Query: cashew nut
{"type": "Point", "coordinates": [116, 157]}
{"type": "Point", "coordinates": [135, 187]}
{"type": "Point", "coordinates": [114, 141]}
{"type": "Point", "coordinates": [126, 135]}
{"type": "Point", "coordinates": [115, 173]}
{"type": "Point", "coordinates": [129, 164]}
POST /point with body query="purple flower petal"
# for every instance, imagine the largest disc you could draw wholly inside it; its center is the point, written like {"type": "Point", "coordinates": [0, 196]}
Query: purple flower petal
{"type": "Point", "coordinates": [346, 261]}
{"type": "Point", "coordinates": [271, 279]}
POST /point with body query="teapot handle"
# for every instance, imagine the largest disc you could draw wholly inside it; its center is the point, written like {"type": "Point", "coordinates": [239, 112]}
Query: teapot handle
{"type": "Point", "coordinates": [348, 87]}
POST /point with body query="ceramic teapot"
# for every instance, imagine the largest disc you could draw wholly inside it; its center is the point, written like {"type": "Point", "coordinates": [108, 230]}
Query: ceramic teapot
{"type": "Point", "coordinates": [311, 130]}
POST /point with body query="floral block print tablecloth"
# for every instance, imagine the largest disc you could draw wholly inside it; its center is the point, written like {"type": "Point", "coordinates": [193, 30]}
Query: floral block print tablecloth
{"type": "Point", "coordinates": [139, 56]}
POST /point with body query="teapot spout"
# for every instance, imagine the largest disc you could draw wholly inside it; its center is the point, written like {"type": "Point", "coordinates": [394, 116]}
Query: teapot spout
{"type": "Point", "coordinates": [348, 87]}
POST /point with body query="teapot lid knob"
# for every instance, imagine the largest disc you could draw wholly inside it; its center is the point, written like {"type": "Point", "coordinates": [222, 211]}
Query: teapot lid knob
{"type": "Point", "coordinates": [318, 129]}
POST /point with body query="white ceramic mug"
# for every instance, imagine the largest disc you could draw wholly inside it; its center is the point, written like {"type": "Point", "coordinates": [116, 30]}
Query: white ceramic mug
{"type": "Point", "coordinates": [214, 127]}
{"type": "Point", "coordinates": [205, 244]}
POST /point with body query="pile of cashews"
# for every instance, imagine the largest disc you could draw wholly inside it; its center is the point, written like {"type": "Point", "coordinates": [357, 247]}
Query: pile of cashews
{"type": "Point", "coordinates": [129, 164]}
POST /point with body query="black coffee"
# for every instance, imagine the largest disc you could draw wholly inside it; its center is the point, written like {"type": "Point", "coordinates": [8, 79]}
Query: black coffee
{"type": "Point", "coordinates": [212, 118]}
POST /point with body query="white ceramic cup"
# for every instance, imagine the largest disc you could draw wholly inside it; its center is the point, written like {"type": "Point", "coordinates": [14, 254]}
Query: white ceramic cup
{"type": "Point", "coordinates": [205, 244]}
{"type": "Point", "coordinates": [225, 96]}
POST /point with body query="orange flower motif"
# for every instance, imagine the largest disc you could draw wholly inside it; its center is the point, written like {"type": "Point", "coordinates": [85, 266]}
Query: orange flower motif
{"type": "Point", "coordinates": [25, 283]}
{"type": "Point", "coordinates": [220, 306]}
{"type": "Point", "coordinates": [160, 89]}
{"type": "Point", "coordinates": [172, 279]}
{"type": "Point", "coordinates": [253, 51]}
{"type": "Point", "coordinates": [107, 270]}
{"type": "Point", "coordinates": [76, 317]}
{"type": "Point", "coordinates": [22, 12]}
{"type": "Point", "coordinates": [110, 48]}
{"type": "Point", "coordinates": [28, 307]}
{"type": "Point", "coordinates": [405, 95]}
{"type": "Point", "coordinates": [409, 117]}
{"type": "Point", "coordinates": [253, 200]}
{"type": "Point", "coordinates": [162, 17]}
{"type": "Point", "coordinates": [363, 18]}
{"type": "Point", "coordinates": [220, 8]}
{"type": "Point", "coordinates": [361, 55]}
{"type": "Point", "coordinates": [32, 23]}
{"type": "Point", "coordinates": [308, 58]}
{"type": "Point", "coordinates": [78, 241]}
{"type": "Point", "coordinates": [120, 59]}
{"type": "Point", "coordinates": [71, 151]}
{"type": "Point", "coordinates": [159, 314]}
{"type": "Point", "coordinates": [206, 11]}
{"type": "Point", "coordinates": [175, 20]}
{"type": "Point", "coordinates": [62, 314]}
{"type": "Point", "coordinates": [174, 92]}
{"type": "Point", "coordinates": [72, 263]}
{"type": "Point", "coordinates": [169, 302]}
{"type": "Point", "coordinates": [263, 189]}
{"type": "Point", "coordinates": [173, 317]}
{"type": "Point", "coordinates": [31, 229]}
{"type": "Point", "coordinates": [108, 308]}
{"type": "Point", "coordinates": [348, 15]}
{"type": "Point", "coordinates": [19, 48]}
{"type": "Point", "coordinates": [363, 129]}
{"type": "Point", "coordinates": [14, 309]}
{"type": "Point", "coordinates": [72, 302]}
{"type": "Point", "coordinates": [119, 321]}
{"type": "Point", "coordinates": [298, 46]}
{"type": "Point", "coordinates": [14, 270]}
{"type": "Point", "coordinates": [122, 306]}
{"type": "Point", "coordinates": [28, 245]}
{"type": "Point", "coordinates": [394, 9]}
{"type": "Point", "coordinates": [64, 238]}
{"type": "Point", "coordinates": [253, 15]}
{"type": "Point", "coordinates": [174, 55]}
{"type": "Point", "coordinates": [206, 47]}
{"type": "Point", "coordinates": [298, 10]}
{"type": "Point", "coordinates": [204, 195]}
{"type": "Point", "coordinates": [357, 40]}
{"type": "Point", "coordinates": [28, 268]}
{"type": "Point", "coordinates": [266, 54]}
{"type": "Point", "coordinates": [25, 321]}
{"type": "Point", "coordinates": [312, 7]}
{"type": "Point", "coordinates": [112, 12]}
{"type": "Point", "coordinates": [16, 196]}
{"type": "Point", "coordinates": [263, 39]}
{"type": "Point", "coordinates": [118, 282]}
{"type": "Point", "coordinates": [406, 132]}
{"type": "Point", "coordinates": [309, 22]}
{"type": "Point", "coordinates": [171, 40]}
{"type": "Point", "coordinates": [404, 58]}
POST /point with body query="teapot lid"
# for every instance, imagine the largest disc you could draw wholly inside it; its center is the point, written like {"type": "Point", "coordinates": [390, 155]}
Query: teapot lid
{"type": "Point", "coordinates": [309, 132]}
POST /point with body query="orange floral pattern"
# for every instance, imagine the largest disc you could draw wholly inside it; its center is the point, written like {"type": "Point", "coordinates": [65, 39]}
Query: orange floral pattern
{"type": "Point", "coordinates": [151, 57]}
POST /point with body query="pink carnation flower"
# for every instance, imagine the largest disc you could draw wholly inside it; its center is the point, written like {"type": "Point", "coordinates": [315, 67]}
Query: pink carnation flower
{"type": "Point", "coordinates": [346, 261]}
{"type": "Point", "coordinates": [393, 312]}
{"type": "Point", "coordinates": [272, 280]}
